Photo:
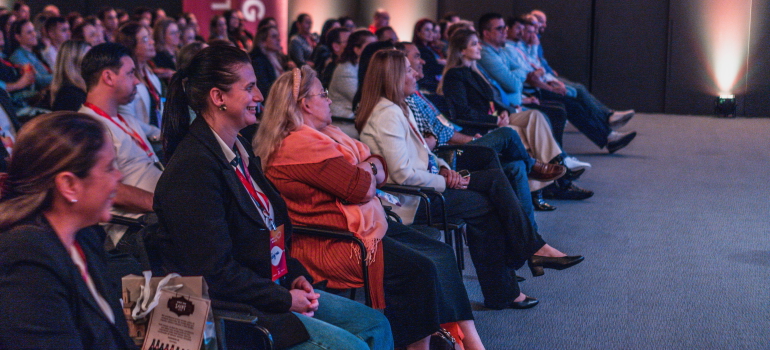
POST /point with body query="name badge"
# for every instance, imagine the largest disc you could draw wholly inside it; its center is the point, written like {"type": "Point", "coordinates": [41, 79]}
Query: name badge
{"type": "Point", "coordinates": [278, 253]}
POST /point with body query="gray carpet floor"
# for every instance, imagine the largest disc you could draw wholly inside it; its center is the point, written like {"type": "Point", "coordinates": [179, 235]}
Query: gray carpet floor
{"type": "Point", "coordinates": [676, 244]}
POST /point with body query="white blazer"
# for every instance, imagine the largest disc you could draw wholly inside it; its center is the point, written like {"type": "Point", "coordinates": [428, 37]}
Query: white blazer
{"type": "Point", "coordinates": [139, 108]}
{"type": "Point", "coordinates": [387, 133]}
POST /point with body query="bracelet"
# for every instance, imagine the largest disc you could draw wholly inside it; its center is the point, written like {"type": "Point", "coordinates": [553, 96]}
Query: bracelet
{"type": "Point", "coordinates": [374, 168]}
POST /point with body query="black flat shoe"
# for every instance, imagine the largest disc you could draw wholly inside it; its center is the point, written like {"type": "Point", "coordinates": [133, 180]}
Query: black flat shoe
{"type": "Point", "coordinates": [537, 263]}
{"type": "Point", "coordinates": [615, 146]}
{"type": "Point", "coordinates": [520, 279]}
{"type": "Point", "coordinates": [528, 302]}
{"type": "Point", "coordinates": [539, 203]}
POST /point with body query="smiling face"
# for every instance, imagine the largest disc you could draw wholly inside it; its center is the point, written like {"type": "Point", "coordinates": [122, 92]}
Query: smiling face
{"type": "Point", "coordinates": [426, 33]}
{"type": "Point", "coordinates": [28, 37]}
{"type": "Point", "coordinates": [100, 186]}
{"type": "Point", "coordinates": [243, 98]}
{"type": "Point", "coordinates": [410, 81]}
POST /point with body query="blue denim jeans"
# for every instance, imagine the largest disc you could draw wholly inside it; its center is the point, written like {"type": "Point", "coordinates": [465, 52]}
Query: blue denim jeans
{"type": "Point", "coordinates": [343, 324]}
{"type": "Point", "coordinates": [516, 163]}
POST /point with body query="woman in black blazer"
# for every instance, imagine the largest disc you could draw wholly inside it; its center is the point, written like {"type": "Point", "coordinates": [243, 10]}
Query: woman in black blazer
{"type": "Point", "coordinates": [55, 289]}
{"type": "Point", "coordinates": [217, 211]}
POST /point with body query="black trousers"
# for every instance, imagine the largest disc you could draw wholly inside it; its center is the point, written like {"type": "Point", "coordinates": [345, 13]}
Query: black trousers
{"type": "Point", "coordinates": [500, 235]}
{"type": "Point", "coordinates": [423, 287]}
{"type": "Point", "coordinates": [589, 119]}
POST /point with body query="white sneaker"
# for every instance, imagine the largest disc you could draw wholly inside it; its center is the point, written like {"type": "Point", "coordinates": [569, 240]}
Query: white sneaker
{"type": "Point", "coordinates": [620, 118]}
{"type": "Point", "coordinates": [574, 164]}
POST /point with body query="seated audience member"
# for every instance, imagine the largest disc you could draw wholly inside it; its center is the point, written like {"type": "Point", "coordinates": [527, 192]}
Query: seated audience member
{"type": "Point", "coordinates": [56, 295]}
{"type": "Point", "coordinates": [147, 105]}
{"type": "Point", "coordinates": [214, 200]}
{"type": "Point", "coordinates": [306, 157]}
{"type": "Point", "coordinates": [98, 35]}
{"type": "Point", "coordinates": [143, 15]}
{"type": "Point", "coordinates": [74, 18]}
{"type": "Point", "coordinates": [57, 30]}
{"type": "Point", "coordinates": [68, 89]}
{"type": "Point", "coordinates": [108, 72]}
{"type": "Point", "coordinates": [380, 19]}
{"type": "Point", "coordinates": [87, 32]}
{"type": "Point", "coordinates": [218, 28]}
{"type": "Point", "coordinates": [511, 72]}
{"type": "Point", "coordinates": [166, 35]}
{"type": "Point", "coordinates": [235, 32]}
{"type": "Point", "coordinates": [265, 58]}
{"type": "Point", "coordinates": [461, 24]}
{"type": "Point", "coordinates": [617, 119]}
{"type": "Point", "coordinates": [109, 18]}
{"type": "Point", "coordinates": [6, 20]}
{"type": "Point", "coordinates": [344, 83]}
{"type": "Point", "coordinates": [347, 23]}
{"type": "Point", "coordinates": [386, 33]}
{"type": "Point", "coordinates": [187, 35]}
{"type": "Point", "coordinates": [434, 63]}
{"type": "Point", "coordinates": [323, 51]}
{"type": "Point", "coordinates": [517, 164]}
{"type": "Point", "coordinates": [21, 10]}
{"type": "Point", "coordinates": [471, 98]}
{"type": "Point", "coordinates": [337, 39]}
{"type": "Point", "coordinates": [302, 41]}
{"type": "Point", "coordinates": [13, 77]}
{"type": "Point", "coordinates": [192, 22]}
{"type": "Point", "coordinates": [363, 64]}
{"type": "Point", "coordinates": [187, 52]}
{"type": "Point", "coordinates": [500, 236]}
{"type": "Point", "coordinates": [23, 40]}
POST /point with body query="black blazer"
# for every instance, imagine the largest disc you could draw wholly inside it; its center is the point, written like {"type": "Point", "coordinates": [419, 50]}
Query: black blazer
{"type": "Point", "coordinates": [431, 69]}
{"type": "Point", "coordinates": [263, 69]}
{"type": "Point", "coordinates": [468, 96]}
{"type": "Point", "coordinates": [211, 228]}
{"type": "Point", "coordinates": [45, 303]}
{"type": "Point", "coordinates": [69, 98]}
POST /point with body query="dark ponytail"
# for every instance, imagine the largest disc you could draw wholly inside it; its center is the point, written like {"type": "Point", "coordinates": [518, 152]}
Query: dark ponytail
{"type": "Point", "coordinates": [212, 67]}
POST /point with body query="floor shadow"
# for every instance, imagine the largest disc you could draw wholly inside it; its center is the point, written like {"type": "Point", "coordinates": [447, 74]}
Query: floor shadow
{"type": "Point", "coordinates": [753, 257]}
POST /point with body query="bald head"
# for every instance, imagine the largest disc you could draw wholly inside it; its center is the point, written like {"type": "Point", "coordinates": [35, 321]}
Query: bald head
{"type": "Point", "coordinates": [542, 20]}
{"type": "Point", "coordinates": [381, 19]}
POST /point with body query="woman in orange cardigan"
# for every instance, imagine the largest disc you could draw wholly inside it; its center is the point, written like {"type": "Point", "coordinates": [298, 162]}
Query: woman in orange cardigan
{"type": "Point", "coordinates": [329, 179]}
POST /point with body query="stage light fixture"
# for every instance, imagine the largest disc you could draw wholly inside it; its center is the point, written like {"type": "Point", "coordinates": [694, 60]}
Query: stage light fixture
{"type": "Point", "coordinates": [724, 105]}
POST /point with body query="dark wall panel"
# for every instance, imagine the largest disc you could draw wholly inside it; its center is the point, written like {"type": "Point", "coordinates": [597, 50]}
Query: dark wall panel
{"type": "Point", "coordinates": [757, 100]}
{"type": "Point", "coordinates": [473, 9]}
{"type": "Point", "coordinates": [567, 40]}
{"type": "Point", "coordinates": [629, 54]}
{"type": "Point", "coordinates": [90, 7]}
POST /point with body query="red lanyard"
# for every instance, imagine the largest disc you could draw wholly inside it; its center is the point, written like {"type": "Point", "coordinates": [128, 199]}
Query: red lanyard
{"type": "Point", "coordinates": [9, 64]}
{"type": "Point", "coordinates": [430, 104]}
{"type": "Point", "coordinates": [131, 132]}
{"type": "Point", "coordinates": [259, 197]}
{"type": "Point", "coordinates": [84, 269]}
{"type": "Point", "coordinates": [151, 88]}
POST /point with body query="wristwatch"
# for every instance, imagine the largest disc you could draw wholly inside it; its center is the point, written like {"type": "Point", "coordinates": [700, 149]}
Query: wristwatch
{"type": "Point", "coordinates": [374, 168]}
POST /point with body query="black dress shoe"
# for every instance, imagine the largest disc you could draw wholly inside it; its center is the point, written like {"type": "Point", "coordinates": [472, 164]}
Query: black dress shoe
{"type": "Point", "coordinates": [614, 146]}
{"type": "Point", "coordinates": [537, 263]}
{"type": "Point", "coordinates": [539, 203]}
{"type": "Point", "coordinates": [569, 191]}
{"type": "Point", "coordinates": [573, 175]}
{"type": "Point", "coordinates": [527, 303]}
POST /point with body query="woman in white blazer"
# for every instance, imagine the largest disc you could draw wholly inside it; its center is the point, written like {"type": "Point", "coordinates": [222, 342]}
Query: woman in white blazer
{"type": "Point", "coordinates": [500, 235]}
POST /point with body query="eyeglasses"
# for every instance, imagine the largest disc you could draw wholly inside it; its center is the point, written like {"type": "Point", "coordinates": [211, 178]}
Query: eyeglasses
{"type": "Point", "coordinates": [324, 94]}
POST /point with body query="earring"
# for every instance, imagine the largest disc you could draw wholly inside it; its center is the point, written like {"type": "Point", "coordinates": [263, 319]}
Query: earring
{"type": "Point", "coordinates": [223, 107]}
{"type": "Point", "coordinates": [73, 200]}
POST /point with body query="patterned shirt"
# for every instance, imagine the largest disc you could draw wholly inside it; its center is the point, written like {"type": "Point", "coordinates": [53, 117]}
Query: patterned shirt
{"type": "Point", "coordinates": [429, 119]}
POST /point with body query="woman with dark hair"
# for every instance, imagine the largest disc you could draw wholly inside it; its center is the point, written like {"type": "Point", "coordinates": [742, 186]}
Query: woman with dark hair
{"type": "Point", "coordinates": [167, 38]}
{"type": "Point", "coordinates": [501, 237]}
{"type": "Point", "coordinates": [147, 106]}
{"type": "Point", "coordinates": [218, 28]}
{"type": "Point", "coordinates": [329, 179]}
{"type": "Point", "coordinates": [302, 41]}
{"type": "Point", "coordinates": [23, 39]}
{"type": "Point", "coordinates": [344, 83]}
{"type": "Point", "coordinates": [337, 39]}
{"type": "Point", "coordinates": [235, 31]}
{"type": "Point", "coordinates": [53, 276]}
{"type": "Point", "coordinates": [265, 57]}
{"type": "Point", "coordinates": [323, 50]}
{"type": "Point", "coordinates": [423, 37]}
{"type": "Point", "coordinates": [214, 201]}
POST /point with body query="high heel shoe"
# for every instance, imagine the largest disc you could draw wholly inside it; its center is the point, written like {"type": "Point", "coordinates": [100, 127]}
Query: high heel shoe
{"type": "Point", "coordinates": [537, 263]}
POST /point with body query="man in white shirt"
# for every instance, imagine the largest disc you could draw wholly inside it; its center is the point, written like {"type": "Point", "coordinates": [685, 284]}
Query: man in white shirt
{"type": "Point", "coordinates": [108, 71]}
{"type": "Point", "coordinates": [57, 30]}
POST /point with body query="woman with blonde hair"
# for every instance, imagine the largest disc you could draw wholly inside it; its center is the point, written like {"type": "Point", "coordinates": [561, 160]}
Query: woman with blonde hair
{"type": "Point", "coordinates": [329, 179]}
{"type": "Point", "coordinates": [53, 278]}
{"type": "Point", "coordinates": [500, 235]}
{"type": "Point", "coordinates": [68, 89]}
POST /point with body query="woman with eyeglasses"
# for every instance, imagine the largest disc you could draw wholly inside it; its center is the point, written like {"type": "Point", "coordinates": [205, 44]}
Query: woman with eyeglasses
{"type": "Point", "coordinates": [330, 180]}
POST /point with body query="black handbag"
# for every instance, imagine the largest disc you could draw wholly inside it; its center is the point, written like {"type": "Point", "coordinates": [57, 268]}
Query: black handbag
{"type": "Point", "coordinates": [442, 340]}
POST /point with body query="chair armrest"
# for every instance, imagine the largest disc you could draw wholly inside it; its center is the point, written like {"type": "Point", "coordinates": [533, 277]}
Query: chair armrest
{"type": "Point", "coordinates": [337, 234]}
{"type": "Point", "coordinates": [421, 192]}
{"type": "Point", "coordinates": [466, 123]}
